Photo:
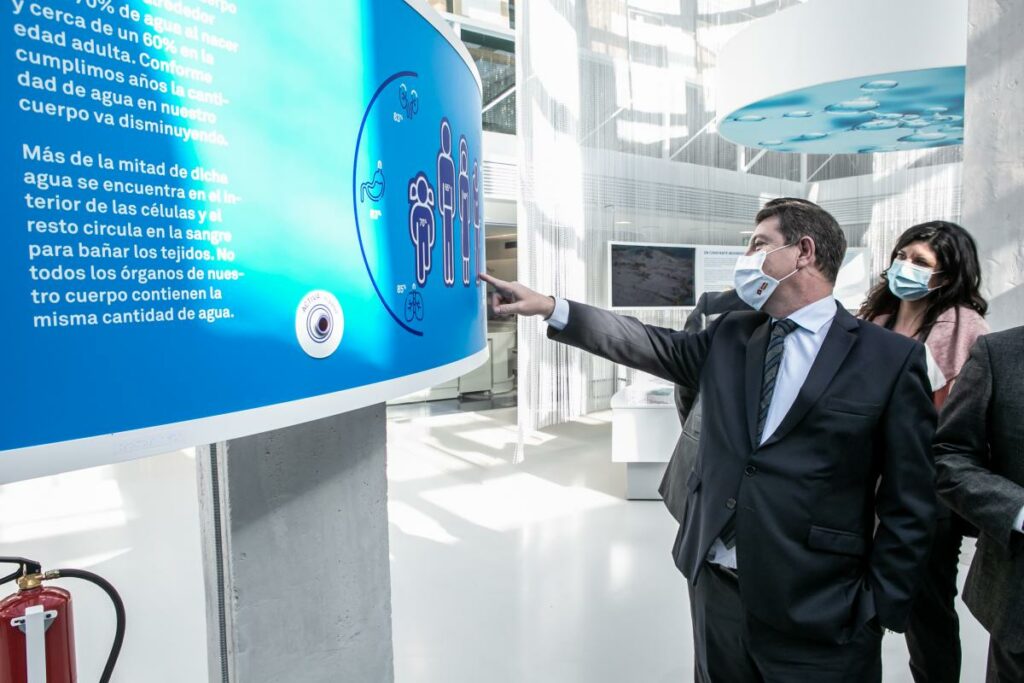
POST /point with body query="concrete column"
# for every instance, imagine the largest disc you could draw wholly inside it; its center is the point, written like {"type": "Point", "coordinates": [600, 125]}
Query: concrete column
{"type": "Point", "coordinates": [298, 577]}
{"type": "Point", "coordinates": [993, 196]}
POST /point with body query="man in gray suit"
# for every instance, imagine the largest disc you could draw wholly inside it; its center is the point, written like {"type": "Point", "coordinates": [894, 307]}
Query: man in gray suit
{"type": "Point", "coordinates": [979, 451]}
{"type": "Point", "coordinates": [673, 489]}
{"type": "Point", "coordinates": [709, 306]}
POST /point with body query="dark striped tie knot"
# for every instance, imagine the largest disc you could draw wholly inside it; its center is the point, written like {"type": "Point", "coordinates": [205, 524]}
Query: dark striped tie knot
{"type": "Point", "coordinates": [783, 327]}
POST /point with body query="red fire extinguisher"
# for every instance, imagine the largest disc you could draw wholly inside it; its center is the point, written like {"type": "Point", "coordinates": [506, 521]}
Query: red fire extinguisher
{"type": "Point", "coordinates": [37, 630]}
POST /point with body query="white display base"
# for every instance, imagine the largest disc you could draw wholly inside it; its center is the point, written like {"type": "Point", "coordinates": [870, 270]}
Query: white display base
{"type": "Point", "coordinates": [643, 479]}
{"type": "Point", "coordinates": [645, 429]}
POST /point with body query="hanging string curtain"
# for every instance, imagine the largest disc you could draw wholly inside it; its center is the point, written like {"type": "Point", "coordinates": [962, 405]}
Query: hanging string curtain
{"type": "Point", "coordinates": [615, 126]}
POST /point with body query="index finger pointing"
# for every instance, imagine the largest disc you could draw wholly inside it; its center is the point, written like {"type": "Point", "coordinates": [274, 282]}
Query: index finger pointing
{"type": "Point", "coordinates": [500, 284]}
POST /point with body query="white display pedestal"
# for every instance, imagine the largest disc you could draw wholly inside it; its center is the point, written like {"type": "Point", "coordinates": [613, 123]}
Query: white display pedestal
{"type": "Point", "coordinates": [645, 429]}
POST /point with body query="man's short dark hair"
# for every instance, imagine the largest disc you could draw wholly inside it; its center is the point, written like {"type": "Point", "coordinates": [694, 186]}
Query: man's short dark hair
{"type": "Point", "coordinates": [787, 200]}
{"type": "Point", "coordinates": [801, 218]}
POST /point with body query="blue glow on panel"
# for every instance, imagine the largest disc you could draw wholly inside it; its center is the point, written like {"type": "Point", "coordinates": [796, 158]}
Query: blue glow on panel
{"type": "Point", "coordinates": [341, 242]}
{"type": "Point", "coordinates": [881, 113]}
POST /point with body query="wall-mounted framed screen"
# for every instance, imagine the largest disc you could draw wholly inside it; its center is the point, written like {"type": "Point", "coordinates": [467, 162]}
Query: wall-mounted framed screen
{"type": "Point", "coordinates": [648, 275]}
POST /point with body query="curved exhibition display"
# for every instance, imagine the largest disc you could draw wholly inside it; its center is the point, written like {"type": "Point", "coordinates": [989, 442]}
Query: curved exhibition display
{"type": "Point", "coordinates": [224, 219]}
{"type": "Point", "coordinates": [872, 76]}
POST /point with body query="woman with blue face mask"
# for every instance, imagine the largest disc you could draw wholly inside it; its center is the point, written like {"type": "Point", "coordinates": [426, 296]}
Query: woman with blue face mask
{"type": "Point", "coordinates": [931, 292]}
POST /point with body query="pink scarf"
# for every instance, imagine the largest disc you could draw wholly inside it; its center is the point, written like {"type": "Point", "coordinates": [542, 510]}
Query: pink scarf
{"type": "Point", "coordinates": [950, 341]}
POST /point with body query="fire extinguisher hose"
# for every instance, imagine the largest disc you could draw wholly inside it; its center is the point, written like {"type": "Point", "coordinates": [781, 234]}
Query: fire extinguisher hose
{"type": "Point", "coordinates": [115, 649]}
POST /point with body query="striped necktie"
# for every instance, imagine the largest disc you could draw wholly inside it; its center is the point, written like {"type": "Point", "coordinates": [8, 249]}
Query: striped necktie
{"type": "Point", "coordinates": [772, 362]}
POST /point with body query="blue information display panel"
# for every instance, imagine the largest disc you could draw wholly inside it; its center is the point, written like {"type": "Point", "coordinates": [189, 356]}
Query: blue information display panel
{"type": "Point", "coordinates": [226, 217]}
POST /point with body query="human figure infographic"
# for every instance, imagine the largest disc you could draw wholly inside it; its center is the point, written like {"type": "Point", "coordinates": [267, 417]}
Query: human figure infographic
{"type": "Point", "coordinates": [421, 224]}
{"type": "Point", "coordinates": [476, 220]}
{"type": "Point", "coordinates": [465, 208]}
{"type": "Point", "coordinates": [446, 202]}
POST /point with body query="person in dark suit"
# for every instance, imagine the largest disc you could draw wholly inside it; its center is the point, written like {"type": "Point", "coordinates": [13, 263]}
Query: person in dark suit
{"type": "Point", "coordinates": [673, 489]}
{"type": "Point", "coordinates": [815, 424]}
{"type": "Point", "coordinates": [979, 451]}
{"type": "Point", "coordinates": [709, 306]}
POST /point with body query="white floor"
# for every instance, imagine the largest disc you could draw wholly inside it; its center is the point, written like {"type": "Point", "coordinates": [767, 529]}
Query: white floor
{"type": "Point", "coordinates": [541, 572]}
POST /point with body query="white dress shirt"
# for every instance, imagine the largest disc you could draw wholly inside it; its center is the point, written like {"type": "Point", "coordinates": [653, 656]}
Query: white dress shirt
{"type": "Point", "coordinates": [559, 318]}
{"type": "Point", "coordinates": [801, 347]}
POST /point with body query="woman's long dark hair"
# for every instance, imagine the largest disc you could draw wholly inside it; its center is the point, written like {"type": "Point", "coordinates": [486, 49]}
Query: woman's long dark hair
{"type": "Point", "coordinates": [961, 272]}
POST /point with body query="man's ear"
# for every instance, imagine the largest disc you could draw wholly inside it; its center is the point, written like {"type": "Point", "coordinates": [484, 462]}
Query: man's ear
{"type": "Point", "coordinates": [808, 251]}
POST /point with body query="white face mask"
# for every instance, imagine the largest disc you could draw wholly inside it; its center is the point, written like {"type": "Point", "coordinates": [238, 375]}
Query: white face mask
{"type": "Point", "coordinates": [753, 285]}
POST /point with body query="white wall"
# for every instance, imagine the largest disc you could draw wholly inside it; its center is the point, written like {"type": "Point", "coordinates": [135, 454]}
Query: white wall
{"type": "Point", "coordinates": [993, 146]}
{"type": "Point", "coordinates": [137, 525]}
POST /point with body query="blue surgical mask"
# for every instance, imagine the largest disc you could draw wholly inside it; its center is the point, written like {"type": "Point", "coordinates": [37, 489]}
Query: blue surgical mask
{"type": "Point", "coordinates": [753, 285]}
{"type": "Point", "coordinates": [909, 282]}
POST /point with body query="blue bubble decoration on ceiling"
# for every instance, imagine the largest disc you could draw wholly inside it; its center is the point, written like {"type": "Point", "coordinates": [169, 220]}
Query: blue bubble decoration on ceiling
{"type": "Point", "coordinates": [881, 113]}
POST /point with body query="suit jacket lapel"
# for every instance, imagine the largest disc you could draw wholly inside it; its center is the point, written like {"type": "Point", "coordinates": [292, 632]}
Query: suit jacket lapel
{"type": "Point", "coordinates": [757, 345]}
{"type": "Point", "coordinates": [833, 352]}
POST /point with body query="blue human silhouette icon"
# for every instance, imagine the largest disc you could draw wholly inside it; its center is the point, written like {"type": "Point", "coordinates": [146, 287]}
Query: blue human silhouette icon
{"type": "Point", "coordinates": [476, 220]}
{"type": "Point", "coordinates": [446, 202]}
{"type": "Point", "coordinates": [421, 224]}
{"type": "Point", "coordinates": [374, 188]}
{"type": "Point", "coordinates": [465, 208]}
{"type": "Point", "coordinates": [413, 306]}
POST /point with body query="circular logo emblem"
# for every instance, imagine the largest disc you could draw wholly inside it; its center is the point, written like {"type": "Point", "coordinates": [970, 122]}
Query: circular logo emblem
{"type": "Point", "coordinates": [319, 323]}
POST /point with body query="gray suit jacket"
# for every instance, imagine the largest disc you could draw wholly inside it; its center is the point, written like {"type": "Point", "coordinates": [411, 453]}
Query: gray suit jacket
{"type": "Point", "coordinates": [673, 489]}
{"type": "Point", "coordinates": [979, 451]}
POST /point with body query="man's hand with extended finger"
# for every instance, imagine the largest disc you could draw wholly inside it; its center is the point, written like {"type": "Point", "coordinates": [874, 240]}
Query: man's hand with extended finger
{"type": "Point", "coordinates": [514, 298]}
